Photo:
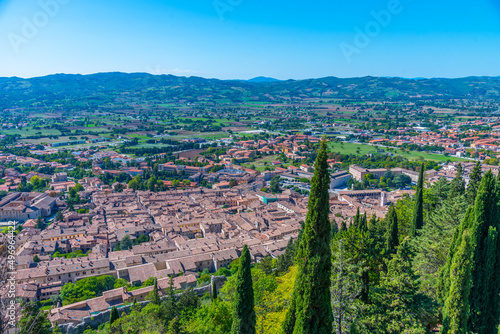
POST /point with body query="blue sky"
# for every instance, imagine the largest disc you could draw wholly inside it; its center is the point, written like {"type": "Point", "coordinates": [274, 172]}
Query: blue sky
{"type": "Point", "coordinates": [241, 39]}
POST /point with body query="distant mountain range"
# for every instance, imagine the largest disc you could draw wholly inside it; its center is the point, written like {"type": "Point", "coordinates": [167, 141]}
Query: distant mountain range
{"type": "Point", "coordinates": [101, 88]}
{"type": "Point", "coordinates": [263, 79]}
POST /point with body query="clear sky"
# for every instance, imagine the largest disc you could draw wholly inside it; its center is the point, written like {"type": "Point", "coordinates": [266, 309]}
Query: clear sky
{"type": "Point", "coordinates": [241, 39]}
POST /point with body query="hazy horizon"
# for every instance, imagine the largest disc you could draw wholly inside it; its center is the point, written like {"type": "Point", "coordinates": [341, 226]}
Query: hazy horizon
{"type": "Point", "coordinates": [255, 77]}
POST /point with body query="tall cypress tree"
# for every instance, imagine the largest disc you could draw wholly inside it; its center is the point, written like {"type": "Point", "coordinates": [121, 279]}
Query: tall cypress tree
{"type": "Point", "coordinates": [244, 319]}
{"type": "Point", "coordinates": [357, 219]}
{"type": "Point", "coordinates": [484, 297]}
{"type": "Point", "coordinates": [214, 290]}
{"type": "Point", "coordinates": [444, 281]}
{"type": "Point", "coordinates": [343, 226]}
{"type": "Point", "coordinates": [154, 296]}
{"type": "Point", "coordinates": [364, 223]}
{"type": "Point", "coordinates": [474, 181]}
{"type": "Point", "coordinates": [285, 260]}
{"type": "Point", "coordinates": [418, 211]}
{"type": "Point", "coordinates": [310, 309]}
{"type": "Point", "coordinates": [335, 228]}
{"type": "Point", "coordinates": [113, 315]}
{"type": "Point", "coordinates": [373, 221]}
{"type": "Point", "coordinates": [483, 222]}
{"type": "Point", "coordinates": [391, 234]}
{"type": "Point", "coordinates": [456, 309]}
{"type": "Point", "coordinates": [457, 184]}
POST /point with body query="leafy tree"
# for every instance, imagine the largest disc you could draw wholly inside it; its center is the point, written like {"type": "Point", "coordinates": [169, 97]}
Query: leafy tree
{"type": "Point", "coordinates": [40, 223]}
{"type": "Point", "coordinates": [418, 211]}
{"type": "Point", "coordinates": [401, 181]}
{"type": "Point", "coordinates": [266, 265]}
{"type": "Point", "coordinates": [243, 309]}
{"type": "Point", "coordinates": [274, 185]}
{"type": "Point", "coordinates": [188, 300]}
{"type": "Point", "coordinates": [136, 183]}
{"type": "Point", "coordinates": [147, 320]}
{"type": "Point", "coordinates": [214, 318]}
{"type": "Point", "coordinates": [151, 184]}
{"type": "Point", "coordinates": [33, 320]}
{"type": "Point", "coordinates": [36, 259]}
{"type": "Point", "coordinates": [59, 216]}
{"type": "Point", "coordinates": [310, 309]}
{"type": "Point", "coordinates": [397, 306]}
{"type": "Point", "coordinates": [233, 183]}
{"type": "Point", "coordinates": [174, 327]}
{"type": "Point", "coordinates": [86, 288]}
{"type": "Point", "coordinates": [126, 242]}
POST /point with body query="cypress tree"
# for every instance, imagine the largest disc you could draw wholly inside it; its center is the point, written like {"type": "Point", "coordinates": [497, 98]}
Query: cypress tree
{"type": "Point", "coordinates": [364, 223]}
{"type": "Point", "coordinates": [418, 211]}
{"type": "Point", "coordinates": [444, 275]}
{"type": "Point", "coordinates": [391, 234]}
{"type": "Point", "coordinates": [356, 220]}
{"type": "Point", "coordinates": [244, 319]}
{"type": "Point", "coordinates": [285, 260]}
{"type": "Point", "coordinates": [154, 296]}
{"type": "Point", "coordinates": [310, 309]}
{"type": "Point", "coordinates": [169, 304]}
{"type": "Point", "coordinates": [456, 309]}
{"type": "Point", "coordinates": [113, 315]}
{"type": "Point", "coordinates": [484, 297]}
{"type": "Point", "coordinates": [458, 183]}
{"type": "Point", "coordinates": [214, 290]}
{"type": "Point", "coordinates": [482, 220]}
{"type": "Point", "coordinates": [335, 228]}
{"type": "Point", "coordinates": [343, 226]}
{"type": "Point", "coordinates": [474, 181]}
{"type": "Point", "coordinates": [373, 221]}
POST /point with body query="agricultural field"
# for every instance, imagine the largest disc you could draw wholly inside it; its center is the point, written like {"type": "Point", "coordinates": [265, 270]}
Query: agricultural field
{"type": "Point", "coordinates": [362, 149]}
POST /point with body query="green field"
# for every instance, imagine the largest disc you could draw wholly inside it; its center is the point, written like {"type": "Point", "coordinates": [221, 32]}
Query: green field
{"type": "Point", "coordinates": [28, 131]}
{"type": "Point", "coordinates": [352, 148]}
{"type": "Point", "coordinates": [214, 121]}
{"type": "Point", "coordinates": [261, 164]}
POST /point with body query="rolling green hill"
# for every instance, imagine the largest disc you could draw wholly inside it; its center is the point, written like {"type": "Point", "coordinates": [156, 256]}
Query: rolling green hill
{"type": "Point", "coordinates": [101, 88]}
